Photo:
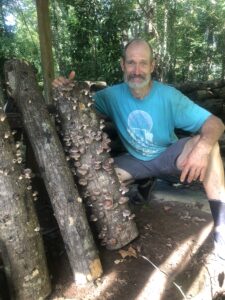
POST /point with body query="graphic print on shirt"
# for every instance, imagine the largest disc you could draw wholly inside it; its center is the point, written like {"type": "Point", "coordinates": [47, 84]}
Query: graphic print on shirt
{"type": "Point", "coordinates": [139, 127]}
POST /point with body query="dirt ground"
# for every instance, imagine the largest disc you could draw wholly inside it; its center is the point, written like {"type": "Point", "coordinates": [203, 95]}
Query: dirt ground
{"type": "Point", "coordinates": [164, 263]}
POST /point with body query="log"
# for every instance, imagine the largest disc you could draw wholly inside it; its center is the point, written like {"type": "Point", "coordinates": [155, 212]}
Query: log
{"type": "Point", "coordinates": [200, 95]}
{"type": "Point", "coordinates": [215, 106]}
{"type": "Point", "coordinates": [66, 201]}
{"type": "Point", "coordinates": [87, 146]}
{"type": "Point", "coordinates": [199, 85]}
{"type": "Point", "coordinates": [220, 92]}
{"type": "Point", "coordinates": [21, 244]}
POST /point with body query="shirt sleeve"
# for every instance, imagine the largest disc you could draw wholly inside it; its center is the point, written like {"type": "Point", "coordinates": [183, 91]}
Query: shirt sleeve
{"type": "Point", "coordinates": [187, 115]}
{"type": "Point", "coordinates": [100, 102]}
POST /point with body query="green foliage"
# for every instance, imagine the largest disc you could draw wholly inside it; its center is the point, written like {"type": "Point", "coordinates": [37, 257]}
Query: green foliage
{"type": "Point", "coordinates": [188, 36]}
{"type": "Point", "coordinates": [19, 39]}
{"type": "Point", "coordinates": [96, 31]}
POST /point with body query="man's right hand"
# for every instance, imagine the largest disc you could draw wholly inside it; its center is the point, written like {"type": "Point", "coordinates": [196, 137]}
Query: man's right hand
{"type": "Point", "coordinates": [59, 81]}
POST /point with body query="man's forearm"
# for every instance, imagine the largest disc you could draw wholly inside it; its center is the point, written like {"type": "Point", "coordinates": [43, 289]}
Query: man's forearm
{"type": "Point", "coordinates": [211, 131]}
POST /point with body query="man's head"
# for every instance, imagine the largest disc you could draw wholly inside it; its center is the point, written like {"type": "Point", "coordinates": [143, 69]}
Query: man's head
{"type": "Point", "coordinates": [137, 64]}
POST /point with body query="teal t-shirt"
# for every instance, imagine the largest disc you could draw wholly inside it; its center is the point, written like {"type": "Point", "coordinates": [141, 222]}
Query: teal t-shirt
{"type": "Point", "coordinates": [146, 126]}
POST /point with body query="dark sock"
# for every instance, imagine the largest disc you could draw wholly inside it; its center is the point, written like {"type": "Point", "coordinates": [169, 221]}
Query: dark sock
{"type": "Point", "coordinates": [218, 213]}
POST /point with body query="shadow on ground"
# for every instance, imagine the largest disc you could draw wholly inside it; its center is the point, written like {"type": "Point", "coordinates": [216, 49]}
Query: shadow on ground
{"type": "Point", "coordinates": [175, 236]}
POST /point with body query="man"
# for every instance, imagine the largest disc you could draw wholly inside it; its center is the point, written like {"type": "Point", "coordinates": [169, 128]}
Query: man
{"type": "Point", "coordinates": [145, 113]}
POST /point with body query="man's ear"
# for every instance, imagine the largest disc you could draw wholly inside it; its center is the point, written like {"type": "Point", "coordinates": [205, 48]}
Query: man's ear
{"type": "Point", "coordinates": [122, 63]}
{"type": "Point", "coordinates": [152, 65]}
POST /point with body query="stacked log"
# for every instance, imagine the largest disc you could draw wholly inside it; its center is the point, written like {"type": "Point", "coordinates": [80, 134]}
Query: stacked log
{"type": "Point", "coordinates": [88, 148]}
{"type": "Point", "coordinates": [21, 245]}
{"type": "Point", "coordinates": [209, 94]}
{"type": "Point", "coordinates": [54, 169]}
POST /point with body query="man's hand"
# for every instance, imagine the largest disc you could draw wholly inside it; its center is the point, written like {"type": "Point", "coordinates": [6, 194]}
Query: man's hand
{"type": "Point", "coordinates": [195, 165]}
{"type": "Point", "coordinates": [59, 81]}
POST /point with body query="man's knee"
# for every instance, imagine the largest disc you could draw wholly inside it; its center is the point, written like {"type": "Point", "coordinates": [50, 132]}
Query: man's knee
{"type": "Point", "coordinates": [215, 150]}
{"type": "Point", "coordinates": [123, 175]}
{"type": "Point", "coordinates": [190, 144]}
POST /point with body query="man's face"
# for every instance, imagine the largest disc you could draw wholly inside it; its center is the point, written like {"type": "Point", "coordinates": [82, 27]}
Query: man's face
{"type": "Point", "coordinates": [137, 65]}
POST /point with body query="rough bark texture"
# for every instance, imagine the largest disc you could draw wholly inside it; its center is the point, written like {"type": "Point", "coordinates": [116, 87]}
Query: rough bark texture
{"type": "Point", "coordinates": [21, 245]}
{"type": "Point", "coordinates": [66, 202]}
{"type": "Point", "coordinates": [45, 38]}
{"type": "Point", "coordinates": [87, 147]}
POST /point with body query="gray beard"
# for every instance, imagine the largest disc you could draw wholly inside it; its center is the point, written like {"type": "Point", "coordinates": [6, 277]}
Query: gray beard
{"type": "Point", "coordinates": [137, 86]}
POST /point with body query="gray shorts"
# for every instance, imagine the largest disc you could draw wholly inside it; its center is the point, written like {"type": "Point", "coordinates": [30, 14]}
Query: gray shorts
{"type": "Point", "coordinates": [161, 166]}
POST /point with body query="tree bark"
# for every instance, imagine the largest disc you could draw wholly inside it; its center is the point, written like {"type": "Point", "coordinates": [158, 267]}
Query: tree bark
{"type": "Point", "coordinates": [88, 149]}
{"type": "Point", "coordinates": [45, 37]}
{"type": "Point", "coordinates": [21, 245]}
{"type": "Point", "coordinates": [53, 167]}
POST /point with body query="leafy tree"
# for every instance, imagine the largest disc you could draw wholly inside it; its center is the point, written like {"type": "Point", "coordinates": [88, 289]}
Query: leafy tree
{"type": "Point", "coordinates": [20, 38]}
{"type": "Point", "coordinates": [188, 36]}
{"type": "Point", "coordinates": [96, 30]}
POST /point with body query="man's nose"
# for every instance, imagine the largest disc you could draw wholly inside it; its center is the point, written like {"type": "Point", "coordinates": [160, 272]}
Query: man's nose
{"type": "Point", "coordinates": [137, 69]}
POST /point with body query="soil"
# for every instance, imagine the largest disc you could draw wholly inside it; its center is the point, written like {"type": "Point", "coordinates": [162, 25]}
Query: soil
{"type": "Point", "coordinates": [166, 261]}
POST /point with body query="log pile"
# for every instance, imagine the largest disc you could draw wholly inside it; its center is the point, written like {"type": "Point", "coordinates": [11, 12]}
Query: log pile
{"type": "Point", "coordinates": [210, 95]}
{"type": "Point", "coordinates": [87, 147]}
{"type": "Point", "coordinates": [53, 167]}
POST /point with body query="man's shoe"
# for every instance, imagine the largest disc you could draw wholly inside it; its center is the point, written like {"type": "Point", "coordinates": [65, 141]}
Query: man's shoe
{"type": "Point", "coordinates": [215, 276]}
{"type": "Point", "coordinates": [146, 187]}
{"type": "Point", "coordinates": [134, 195]}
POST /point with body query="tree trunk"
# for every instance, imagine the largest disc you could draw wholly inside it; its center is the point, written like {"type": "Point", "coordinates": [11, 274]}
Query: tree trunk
{"type": "Point", "coordinates": [88, 149]}
{"type": "Point", "coordinates": [21, 245]}
{"type": "Point", "coordinates": [53, 167]}
{"type": "Point", "coordinates": [45, 38]}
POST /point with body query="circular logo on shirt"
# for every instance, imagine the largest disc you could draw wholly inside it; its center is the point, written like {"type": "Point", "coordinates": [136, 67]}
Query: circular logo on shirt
{"type": "Point", "coordinates": [139, 127]}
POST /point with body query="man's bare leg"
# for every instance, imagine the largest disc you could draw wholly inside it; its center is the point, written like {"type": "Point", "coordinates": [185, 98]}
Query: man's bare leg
{"type": "Point", "coordinates": [215, 190]}
{"type": "Point", "coordinates": [124, 176]}
{"type": "Point", "coordinates": [214, 178]}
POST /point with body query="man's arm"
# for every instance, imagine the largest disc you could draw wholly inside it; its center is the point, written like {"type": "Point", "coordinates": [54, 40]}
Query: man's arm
{"type": "Point", "coordinates": [211, 131]}
{"type": "Point", "coordinates": [195, 165]}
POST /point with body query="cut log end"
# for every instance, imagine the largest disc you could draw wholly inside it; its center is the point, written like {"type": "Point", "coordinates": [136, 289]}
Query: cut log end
{"type": "Point", "coordinates": [95, 269]}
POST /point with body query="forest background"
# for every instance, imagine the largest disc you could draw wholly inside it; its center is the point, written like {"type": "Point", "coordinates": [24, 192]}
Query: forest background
{"type": "Point", "coordinates": [188, 36]}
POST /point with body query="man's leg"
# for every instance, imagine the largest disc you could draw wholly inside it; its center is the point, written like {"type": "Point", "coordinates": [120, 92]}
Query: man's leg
{"type": "Point", "coordinates": [130, 169]}
{"type": "Point", "coordinates": [135, 196]}
{"type": "Point", "coordinates": [214, 179]}
{"type": "Point", "coordinates": [215, 191]}
{"type": "Point", "coordinates": [123, 175]}
{"type": "Point", "coordinates": [134, 174]}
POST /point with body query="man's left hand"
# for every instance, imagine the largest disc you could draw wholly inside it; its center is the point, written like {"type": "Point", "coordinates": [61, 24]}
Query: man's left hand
{"type": "Point", "coordinates": [195, 165]}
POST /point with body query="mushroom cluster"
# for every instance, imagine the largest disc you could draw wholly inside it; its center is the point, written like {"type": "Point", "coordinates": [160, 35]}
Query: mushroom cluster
{"type": "Point", "coordinates": [88, 151]}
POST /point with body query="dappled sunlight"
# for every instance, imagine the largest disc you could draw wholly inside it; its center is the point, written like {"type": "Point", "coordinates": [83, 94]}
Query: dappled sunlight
{"type": "Point", "coordinates": [96, 289]}
{"type": "Point", "coordinates": [164, 275]}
